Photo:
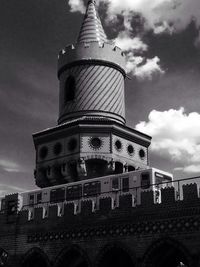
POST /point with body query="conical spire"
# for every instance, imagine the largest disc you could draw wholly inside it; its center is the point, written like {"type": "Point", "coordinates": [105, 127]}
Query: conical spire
{"type": "Point", "coordinates": [91, 29]}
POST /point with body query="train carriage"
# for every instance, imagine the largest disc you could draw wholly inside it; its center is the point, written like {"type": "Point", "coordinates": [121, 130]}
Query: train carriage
{"type": "Point", "coordinates": [112, 186]}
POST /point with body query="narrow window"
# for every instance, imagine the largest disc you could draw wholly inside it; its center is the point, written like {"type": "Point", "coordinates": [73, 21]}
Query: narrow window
{"type": "Point", "coordinates": [31, 199]}
{"type": "Point", "coordinates": [69, 91]}
{"type": "Point", "coordinates": [115, 184]}
{"type": "Point", "coordinates": [145, 180]}
{"type": "Point", "coordinates": [125, 184]}
{"type": "Point", "coordinates": [39, 198]}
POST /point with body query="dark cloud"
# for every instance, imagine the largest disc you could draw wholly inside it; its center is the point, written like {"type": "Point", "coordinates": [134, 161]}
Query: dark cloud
{"type": "Point", "coordinates": [176, 50]}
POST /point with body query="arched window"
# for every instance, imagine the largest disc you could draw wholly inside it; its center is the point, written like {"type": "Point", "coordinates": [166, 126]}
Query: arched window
{"type": "Point", "coordinates": [69, 89]}
{"type": "Point", "coordinates": [116, 256]}
{"type": "Point", "coordinates": [35, 258]}
{"type": "Point", "coordinates": [71, 258]}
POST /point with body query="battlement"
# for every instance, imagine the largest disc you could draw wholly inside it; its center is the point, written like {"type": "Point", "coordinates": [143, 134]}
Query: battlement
{"type": "Point", "coordinates": [92, 52]}
{"type": "Point", "coordinates": [169, 197]}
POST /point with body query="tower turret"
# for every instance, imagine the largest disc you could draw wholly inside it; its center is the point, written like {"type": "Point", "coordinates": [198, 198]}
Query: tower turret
{"type": "Point", "coordinates": [91, 138]}
{"type": "Point", "coordinates": [91, 74]}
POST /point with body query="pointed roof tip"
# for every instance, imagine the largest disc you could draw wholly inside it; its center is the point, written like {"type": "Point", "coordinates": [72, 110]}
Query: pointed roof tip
{"type": "Point", "coordinates": [92, 2]}
{"type": "Point", "coordinates": [92, 29]}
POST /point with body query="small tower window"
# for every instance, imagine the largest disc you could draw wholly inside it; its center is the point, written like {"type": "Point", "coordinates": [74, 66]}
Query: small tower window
{"type": "Point", "coordinates": [69, 91]}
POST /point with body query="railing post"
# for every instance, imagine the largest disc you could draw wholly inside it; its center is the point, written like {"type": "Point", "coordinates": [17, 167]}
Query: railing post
{"type": "Point", "coordinates": [179, 192]}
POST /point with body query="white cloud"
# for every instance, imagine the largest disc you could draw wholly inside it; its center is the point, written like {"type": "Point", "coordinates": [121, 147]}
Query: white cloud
{"type": "Point", "coordinates": [10, 166]}
{"type": "Point", "coordinates": [138, 66]}
{"type": "Point", "coordinates": [130, 44]}
{"type": "Point", "coordinates": [77, 6]}
{"type": "Point", "coordinates": [149, 69]}
{"type": "Point", "coordinates": [160, 15]}
{"type": "Point", "coordinates": [143, 68]}
{"type": "Point", "coordinates": [176, 135]}
{"type": "Point", "coordinates": [189, 169]}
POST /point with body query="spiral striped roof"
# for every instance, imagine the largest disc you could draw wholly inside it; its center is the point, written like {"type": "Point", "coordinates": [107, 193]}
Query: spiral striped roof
{"type": "Point", "coordinates": [91, 29]}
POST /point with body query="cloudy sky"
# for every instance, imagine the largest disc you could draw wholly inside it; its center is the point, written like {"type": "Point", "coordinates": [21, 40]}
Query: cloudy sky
{"type": "Point", "coordinates": [161, 39]}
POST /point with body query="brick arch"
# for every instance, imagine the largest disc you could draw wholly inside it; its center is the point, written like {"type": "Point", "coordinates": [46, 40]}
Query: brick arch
{"type": "Point", "coordinates": [166, 252]}
{"type": "Point", "coordinates": [116, 254]}
{"type": "Point", "coordinates": [72, 256]}
{"type": "Point", "coordinates": [35, 257]}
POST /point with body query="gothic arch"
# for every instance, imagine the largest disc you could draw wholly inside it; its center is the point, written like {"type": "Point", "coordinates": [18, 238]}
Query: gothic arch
{"type": "Point", "coordinates": [116, 254]}
{"type": "Point", "coordinates": [167, 252]}
{"type": "Point", "coordinates": [35, 257]}
{"type": "Point", "coordinates": [72, 256]}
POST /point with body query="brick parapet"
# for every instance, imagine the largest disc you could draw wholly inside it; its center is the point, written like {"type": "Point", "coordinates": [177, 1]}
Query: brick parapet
{"type": "Point", "coordinates": [54, 233]}
{"type": "Point", "coordinates": [169, 206]}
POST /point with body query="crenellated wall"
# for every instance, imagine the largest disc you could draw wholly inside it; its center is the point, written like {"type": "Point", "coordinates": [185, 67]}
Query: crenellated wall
{"type": "Point", "coordinates": [138, 229]}
{"type": "Point", "coordinates": [168, 197]}
{"type": "Point", "coordinates": [105, 52]}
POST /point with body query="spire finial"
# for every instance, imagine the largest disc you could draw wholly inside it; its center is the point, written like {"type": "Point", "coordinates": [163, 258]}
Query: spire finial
{"type": "Point", "coordinates": [91, 29]}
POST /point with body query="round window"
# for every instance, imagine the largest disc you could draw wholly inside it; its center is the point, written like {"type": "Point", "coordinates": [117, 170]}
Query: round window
{"type": "Point", "coordinates": [95, 142]}
{"type": "Point", "coordinates": [130, 149]}
{"type": "Point", "coordinates": [118, 145]}
{"type": "Point", "coordinates": [72, 144]}
{"type": "Point", "coordinates": [142, 153]}
{"type": "Point", "coordinates": [57, 148]}
{"type": "Point", "coordinates": [43, 152]}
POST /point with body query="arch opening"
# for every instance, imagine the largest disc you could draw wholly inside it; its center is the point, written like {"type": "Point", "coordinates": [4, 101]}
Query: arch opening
{"type": "Point", "coordinates": [119, 167]}
{"type": "Point", "coordinates": [131, 168]}
{"type": "Point", "coordinates": [35, 259]}
{"type": "Point", "coordinates": [72, 258]}
{"type": "Point", "coordinates": [117, 257]}
{"type": "Point", "coordinates": [96, 168]}
{"type": "Point", "coordinates": [165, 255]}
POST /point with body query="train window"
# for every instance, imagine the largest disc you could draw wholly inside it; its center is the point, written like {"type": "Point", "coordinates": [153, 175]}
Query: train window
{"type": "Point", "coordinates": [57, 195]}
{"type": "Point", "coordinates": [91, 189]}
{"type": "Point", "coordinates": [162, 177]}
{"type": "Point", "coordinates": [145, 180]}
{"type": "Point", "coordinates": [31, 199]}
{"type": "Point", "coordinates": [12, 205]}
{"type": "Point", "coordinates": [39, 198]}
{"type": "Point", "coordinates": [3, 204]}
{"type": "Point", "coordinates": [74, 192]}
{"type": "Point", "coordinates": [125, 184]}
{"type": "Point", "coordinates": [115, 184]}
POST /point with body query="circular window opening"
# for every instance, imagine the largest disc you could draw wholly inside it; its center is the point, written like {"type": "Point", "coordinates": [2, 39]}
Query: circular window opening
{"type": "Point", "coordinates": [118, 145]}
{"type": "Point", "coordinates": [72, 144]}
{"type": "Point", "coordinates": [142, 153]}
{"type": "Point", "coordinates": [96, 142]}
{"type": "Point", "coordinates": [130, 149]}
{"type": "Point", "coordinates": [43, 152]}
{"type": "Point", "coordinates": [57, 148]}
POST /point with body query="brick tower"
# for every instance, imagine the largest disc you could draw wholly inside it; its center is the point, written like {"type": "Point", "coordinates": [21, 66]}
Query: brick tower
{"type": "Point", "coordinates": [91, 138]}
